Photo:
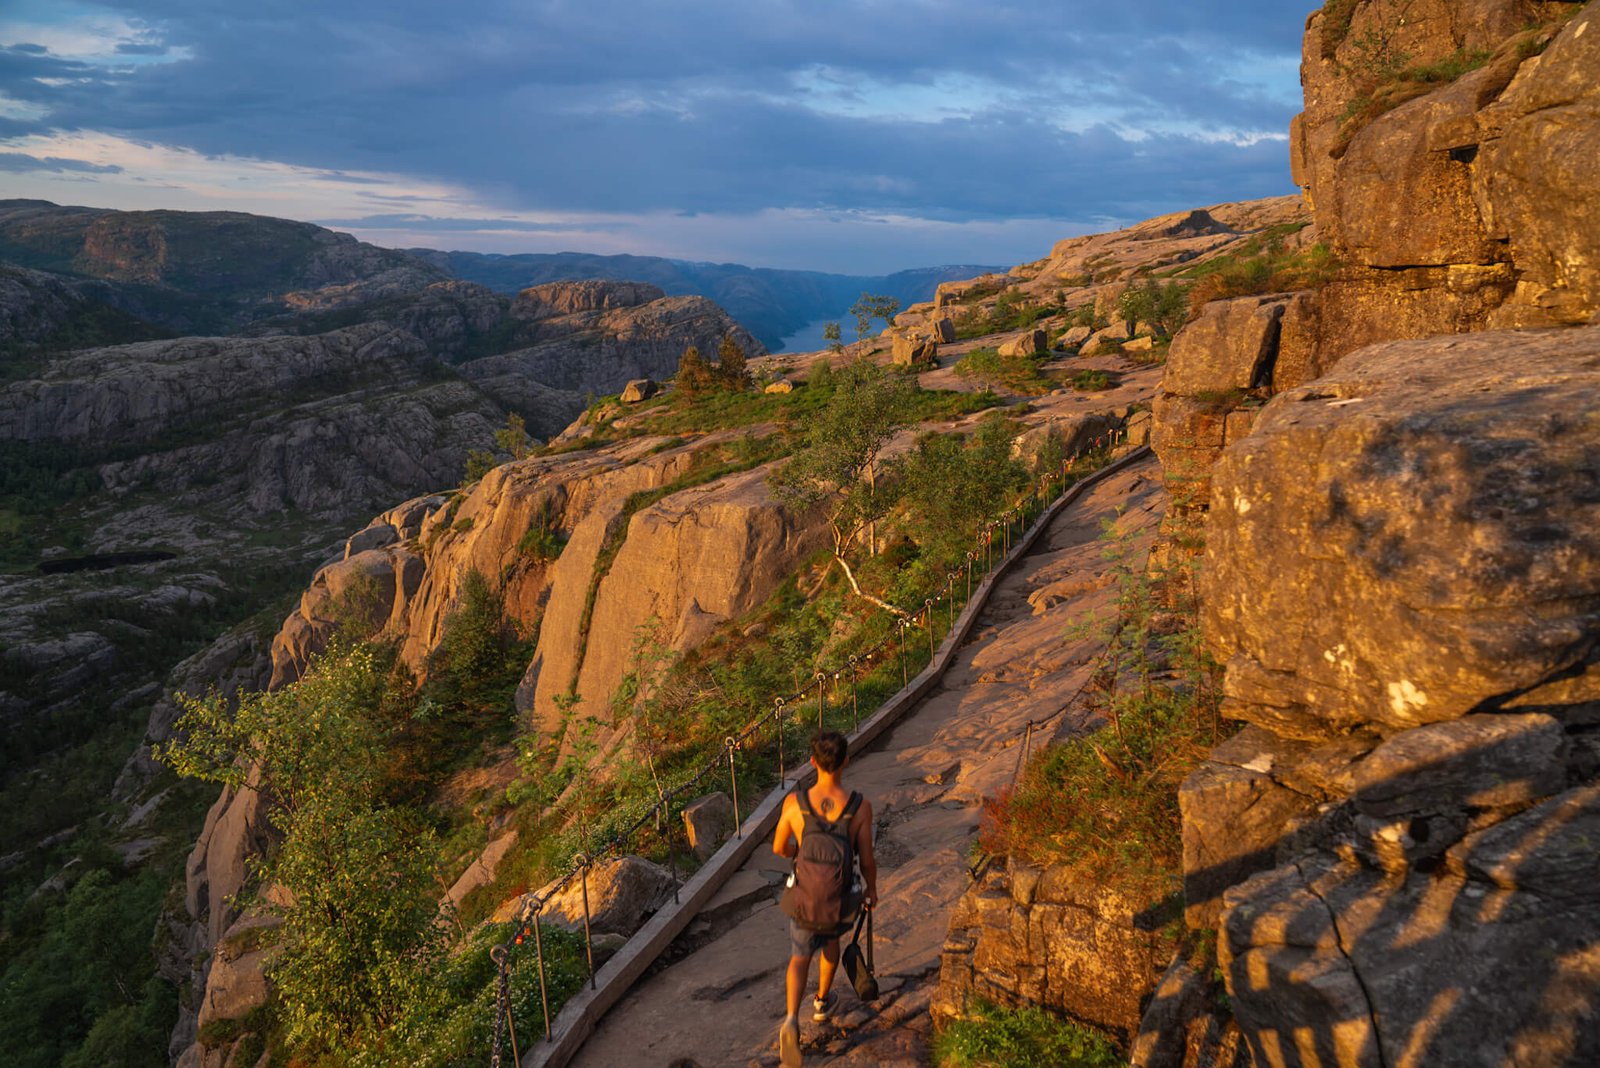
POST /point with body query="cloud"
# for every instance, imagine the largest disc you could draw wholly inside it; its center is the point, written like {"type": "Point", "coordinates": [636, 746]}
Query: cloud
{"type": "Point", "coordinates": [913, 109]}
{"type": "Point", "coordinates": [421, 224]}
{"type": "Point", "coordinates": [21, 161]}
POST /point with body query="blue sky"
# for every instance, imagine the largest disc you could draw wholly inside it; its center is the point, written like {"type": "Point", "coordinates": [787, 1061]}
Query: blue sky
{"type": "Point", "coordinates": [859, 136]}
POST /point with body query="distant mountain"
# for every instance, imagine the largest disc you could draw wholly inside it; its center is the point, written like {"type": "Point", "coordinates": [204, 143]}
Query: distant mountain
{"type": "Point", "coordinates": [771, 303]}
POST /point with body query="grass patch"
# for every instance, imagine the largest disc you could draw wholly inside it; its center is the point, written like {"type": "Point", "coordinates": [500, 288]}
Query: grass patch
{"type": "Point", "coordinates": [1091, 380]}
{"type": "Point", "coordinates": [1387, 89]}
{"type": "Point", "coordinates": [1020, 374]}
{"type": "Point", "coordinates": [1262, 264]}
{"type": "Point", "coordinates": [1221, 401]}
{"type": "Point", "coordinates": [1028, 1037]}
{"type": "Point", "coordinates": [1012, 310]}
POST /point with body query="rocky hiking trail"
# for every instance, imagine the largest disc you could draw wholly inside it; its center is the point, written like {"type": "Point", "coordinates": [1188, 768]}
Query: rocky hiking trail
{"type": "Point", "coordinates": [715, 998]}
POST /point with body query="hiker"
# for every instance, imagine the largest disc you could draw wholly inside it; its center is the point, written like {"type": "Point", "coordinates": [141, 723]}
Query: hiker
{"type": "Point", "coordinates": [822, 829]}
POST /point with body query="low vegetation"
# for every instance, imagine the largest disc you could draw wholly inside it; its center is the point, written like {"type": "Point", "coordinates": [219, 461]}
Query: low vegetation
{"type": "Point", "coordinates": [1012, 310]}
{"type": "Point", "coordinates": [1030, 1037]}
{"type": "Point", "coordinates": [1265, 263]}
{"type": "Point", "coordinates": [1104, 804]}
{"type": "Point", "coordinates": [1019, 374]}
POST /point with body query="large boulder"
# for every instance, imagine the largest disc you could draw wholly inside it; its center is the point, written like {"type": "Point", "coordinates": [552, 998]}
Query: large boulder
{"type": "Point", "coordinates": [1451, 482]}
{"type": "Point", "coordinates": [915, 350]}
{"type": "Point", "coordinates": [1028, 343]}
{"type": "Point", "coordinates": [1230, 346]}
{"type": "Point", "coordinates": [623, 893]}
{"type": "Point", "coordinates": [708, 820]}
{"type": "Point", "coordinates": [637, 390]}
{"type": "Point", "coordinates": [1029, 936]}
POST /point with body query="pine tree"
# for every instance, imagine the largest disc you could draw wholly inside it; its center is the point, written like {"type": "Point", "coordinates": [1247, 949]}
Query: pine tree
{"type": "Point", "coordinates": [732, 372]}
{"type": "Point", "coordinates": [694, 374]}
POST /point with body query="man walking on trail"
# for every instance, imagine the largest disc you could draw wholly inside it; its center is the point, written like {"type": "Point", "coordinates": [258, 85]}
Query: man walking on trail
{"type": "Point", "coordinates": [822, 829]}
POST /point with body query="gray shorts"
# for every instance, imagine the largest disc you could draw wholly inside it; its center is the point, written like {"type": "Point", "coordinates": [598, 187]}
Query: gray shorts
{"type": "Point", "coordinates": [804, 942]}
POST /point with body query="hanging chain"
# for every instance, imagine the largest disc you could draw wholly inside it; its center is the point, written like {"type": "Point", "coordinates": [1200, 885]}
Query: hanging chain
{"type": "Point", "coordinates": [502, 1001]}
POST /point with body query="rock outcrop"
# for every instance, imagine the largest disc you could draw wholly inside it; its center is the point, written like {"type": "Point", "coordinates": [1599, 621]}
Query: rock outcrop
{"type": "Point", "coordinates": [1029, 936]}
{"type": "Point", "coordinates": [1447, 479]}
{"type": "Point", "coordinates": [1488, 231]}
{"type": "Point", "coordinates": [1403, 581]}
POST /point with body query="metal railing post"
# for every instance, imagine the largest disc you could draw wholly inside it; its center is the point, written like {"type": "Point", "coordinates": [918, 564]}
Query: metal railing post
{"type": "Point", "coordinates": [782, 776]}
{"type": "Point", "coordinates": [544, 991]}
{"type": "Point", "coordinates": [855, 711]}
{"type": "Point", "coordinates": [733, 781]}
{"type": "Point", "coordinates": [588, 936]}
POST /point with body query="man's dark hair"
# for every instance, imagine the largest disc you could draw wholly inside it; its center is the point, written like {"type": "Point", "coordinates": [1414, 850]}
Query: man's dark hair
{"type": "Point", "coordinates": [829, 749]}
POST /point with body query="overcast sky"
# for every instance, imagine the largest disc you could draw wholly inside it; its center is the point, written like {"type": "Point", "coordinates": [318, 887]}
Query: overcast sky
{"type": "Point", "coordinates": [858, 136]}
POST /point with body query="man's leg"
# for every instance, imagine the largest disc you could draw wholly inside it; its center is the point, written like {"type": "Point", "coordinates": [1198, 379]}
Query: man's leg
{"type": "Point", "coordinates": [825, 970]}
{"type": "Point", "coordinates": [794, 988]}
{"type": "Point", "coordinates": [795, 984]}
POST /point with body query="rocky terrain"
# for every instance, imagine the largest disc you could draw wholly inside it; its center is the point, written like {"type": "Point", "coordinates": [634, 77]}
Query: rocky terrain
{"type": "Point", "coordinates": [1372, 436]}
{"type": "Point", "coordinates": [687, 564]}
{"type": "Point", "coordinates": [1397, 568]}
{"type": "Point", "coordinates": [157, 491]}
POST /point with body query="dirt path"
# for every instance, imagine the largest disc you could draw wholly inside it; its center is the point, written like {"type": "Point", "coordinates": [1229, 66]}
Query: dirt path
{"type": "Point", "coordinates": [717, 998]}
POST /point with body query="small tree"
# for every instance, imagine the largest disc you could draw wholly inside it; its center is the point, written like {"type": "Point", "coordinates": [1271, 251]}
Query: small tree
{"type": "Point", "coordinates": [732, 369]}
{"type": "Point", "coordinates": [1164, 307]}
{"type": "Point", "coordinates": [955, 484]}
{"type": "Point", "coordinates": [841, 463]}
{"type": "Point", "coordinates": [694, 373]}
{"type": "Point", "coordinates": [361, 932]}
{"type": "Point", "coordinates": [513, 437]}
{"type": "Point", "coordinates": [831, 334]}
{"type": "Point", "coordinates": [873, 306]}
{"type": "Point", "coordinates": [479, 463]}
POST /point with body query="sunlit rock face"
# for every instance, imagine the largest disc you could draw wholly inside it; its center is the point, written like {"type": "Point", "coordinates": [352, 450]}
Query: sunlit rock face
{"type": "Point", "coordinates": [1459, 207]}
{"type": "Point", "coordinates": [1403, 581]}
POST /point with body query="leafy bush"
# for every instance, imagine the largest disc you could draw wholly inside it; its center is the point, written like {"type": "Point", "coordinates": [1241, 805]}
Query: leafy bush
{"type": "Point", "coordinates": [1164, 306]}
{"type": "Point", "coordinates": [1013, 310]}
{"type": "Point", "coordinates": [1021, 374]}
{"type": "Point", "coordinates": [1027, 1037]}
{"type": "Point", "coordinates": [1091, 380]}
{"type": "Point", "coordinates": [1263, 264]}
{"type": "Point", "coordinates": [956, 484]}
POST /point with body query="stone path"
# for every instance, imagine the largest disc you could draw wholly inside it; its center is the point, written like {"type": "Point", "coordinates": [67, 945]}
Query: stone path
{"type": "Point", "coordinates": [716, 998]}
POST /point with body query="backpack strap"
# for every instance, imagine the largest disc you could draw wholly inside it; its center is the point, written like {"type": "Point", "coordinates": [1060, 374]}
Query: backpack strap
{"type": "Point", "coordinates": [851, 805]}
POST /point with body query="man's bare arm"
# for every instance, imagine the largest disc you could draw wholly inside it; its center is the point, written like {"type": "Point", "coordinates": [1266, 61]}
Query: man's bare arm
{"type": "Point", "coordinates": [784, 842]}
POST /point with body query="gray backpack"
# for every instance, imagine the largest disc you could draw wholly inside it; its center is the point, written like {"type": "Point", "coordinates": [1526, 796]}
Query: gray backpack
{"type": "Point", "coordinates": [821, 894]}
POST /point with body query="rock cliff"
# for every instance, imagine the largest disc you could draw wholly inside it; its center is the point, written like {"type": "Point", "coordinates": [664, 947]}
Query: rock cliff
{"type": "Point", "coordinates": [1399, 571]}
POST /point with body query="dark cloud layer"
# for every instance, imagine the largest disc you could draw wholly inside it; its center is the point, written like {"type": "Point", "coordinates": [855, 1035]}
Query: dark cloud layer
{"type": "Point", "coordinates": [22, 161]}
{"type": "Point", "coordinates": [1047, 108]}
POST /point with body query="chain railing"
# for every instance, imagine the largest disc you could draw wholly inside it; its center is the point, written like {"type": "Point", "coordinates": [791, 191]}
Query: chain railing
{"type": "Point", "coordinates": [1000, 532]}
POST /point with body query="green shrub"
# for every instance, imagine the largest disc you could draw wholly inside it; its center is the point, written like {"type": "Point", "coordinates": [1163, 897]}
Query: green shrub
{"type": "Point", "coordinates": [1091, 380]}
{"type": "Point", "coordinates": [1020, 374]}
{"type": "Point", "coordinates": [1262, 264]}
{"type": "Point", "coordinates": [1022, 1038]}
